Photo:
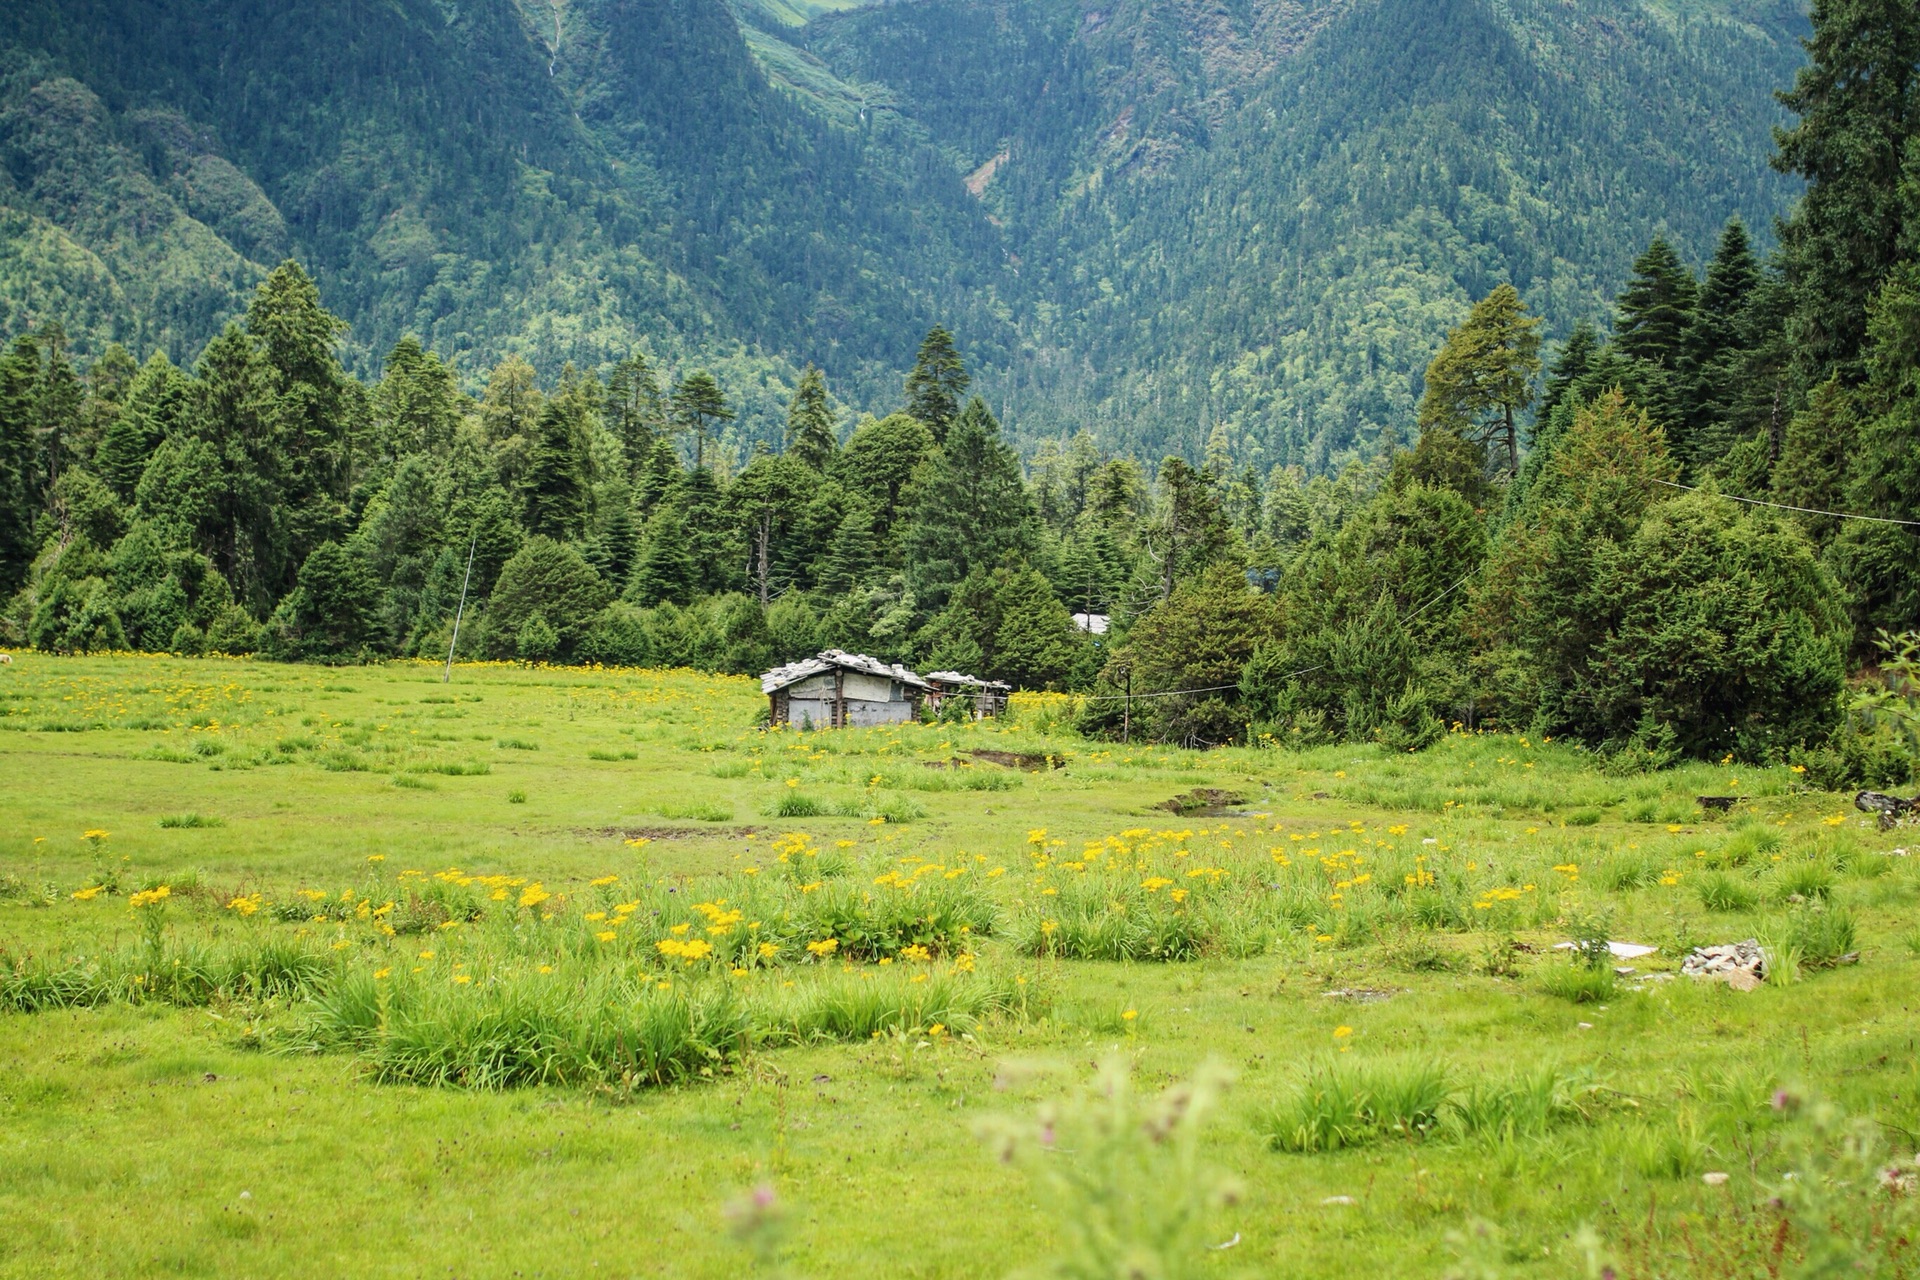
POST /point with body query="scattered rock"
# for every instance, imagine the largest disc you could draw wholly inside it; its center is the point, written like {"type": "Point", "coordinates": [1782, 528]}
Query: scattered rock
{"type": "Point", "coordinates": [1715, 1179]}
{"type": "Point", "coordinates": [1584, 1026]}
{"type": "Point", "coordinates": [1202, 800]}
{"type": "Point", "coordinates": [1359, 995]}
{"type": "Point", "coordinates": [1892, 809]}
{"type": "Point", "coordinates": [1031, 762]}
{"type": "Point", "coordinates": [1338, 1200]}
{"type": "Point", "coordinates": [1741, 965]}
{"type": "Point", "coordinates": [1718, 804]}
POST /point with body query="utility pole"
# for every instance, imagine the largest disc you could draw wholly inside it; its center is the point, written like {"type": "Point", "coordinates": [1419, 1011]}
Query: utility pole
{"type": "Point", "coordinates": [461, 612]}
{"type": "Point", "coordinates": [1126, 709]}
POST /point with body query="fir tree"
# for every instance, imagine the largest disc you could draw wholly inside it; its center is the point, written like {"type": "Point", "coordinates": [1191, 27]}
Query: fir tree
{"type": "Point", "coordinates": [555, 488]}
{"type": "Point", "coordinates": [698, 403]}
{"type": "Point", "coordinates": [665, 574]}
{"type": "Point", "coordinates": [636, 410]}
{"type": "Point", "coordinates": [1719, 346]}
{"type": "Point", "coordinates": [417, 403]}
{"type": "Point", "coordinates": [1569, 370]}
{"type": "Point", "coordinates": [1857, 115]}
{"type": "Point", "coordinates": [811, 438]}
{"type": "Point", "coordinates": [20, 496]}
{"type": "Point", "coordinates": [1187, 532]}
{"type": "Point", "coordinates": [972, 509]}
{"type": "Point", "coordinates": [938, 380]}
{"type": "Point", "coordinates": [851, 555]}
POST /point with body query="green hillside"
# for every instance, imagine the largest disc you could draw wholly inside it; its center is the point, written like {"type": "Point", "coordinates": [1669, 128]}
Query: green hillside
{"type": "Point", "coordinates": [474, 176]}
{"type": "Point", "coordinates": [1264, 217]}
{"type": "Point", "coordinates": [1171, 223]}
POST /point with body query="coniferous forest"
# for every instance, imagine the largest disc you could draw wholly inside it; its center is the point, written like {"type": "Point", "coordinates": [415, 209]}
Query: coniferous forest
{"type": "Point", "coordinates": [1552, 453]}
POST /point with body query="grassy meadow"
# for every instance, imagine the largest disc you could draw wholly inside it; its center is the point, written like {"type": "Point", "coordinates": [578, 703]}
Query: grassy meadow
{"type": "Point", "coordinates": [310, 971]}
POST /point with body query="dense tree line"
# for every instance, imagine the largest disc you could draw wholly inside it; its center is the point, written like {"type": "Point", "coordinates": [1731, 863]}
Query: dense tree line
{"type": "Point", "coordinates": [1560, 550]}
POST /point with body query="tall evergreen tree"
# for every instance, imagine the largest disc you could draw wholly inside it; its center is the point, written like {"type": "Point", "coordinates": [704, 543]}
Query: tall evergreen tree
{"type": "Point", "coordinates": [665, 573]}
{"type": "Point", "coordinates": [556, 488]}
{"type": "Point", "coordinates": [1483, 376]}
{"type": "Point", "coordinates": [1186, 533]}
{"type": "Point", "coordinates": [938, 380]}
{"type": "Point", "coordinates": [698, 403]}
{"type": "Point", "coordinates": [417, 403]}
{"type": "Point", "coordinates": [1858, 103]}
{"type": "Point", "coordinates": [973, 508]}
{"type": "Point", "coordinates": [1655, 311]}
{"type": "Point", "coordinates": [811, 438]}
{"type": "Point", "coordinates": [58, 405]}
{"type": "Point", "coordinates": [1719, 345]}
{"type": "Point", "coordinates": [20, 496]}
{"type": "Point", "coordinates": [636, 410]}
{"type": "Point", "coordinates": [1570, 368]}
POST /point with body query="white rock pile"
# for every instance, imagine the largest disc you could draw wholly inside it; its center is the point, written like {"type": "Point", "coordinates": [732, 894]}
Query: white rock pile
{"type": "Point", "coordinates": [1741, 965]}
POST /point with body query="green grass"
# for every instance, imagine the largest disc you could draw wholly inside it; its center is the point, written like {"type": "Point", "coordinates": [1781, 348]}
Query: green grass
{"type": "Point", "coordinates": [455, 1027]}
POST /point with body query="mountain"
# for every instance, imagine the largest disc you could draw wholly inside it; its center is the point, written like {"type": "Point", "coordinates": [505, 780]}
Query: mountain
{"type": "Point", "coordinates": [561, 182]}
{"type": "Point", "coordinates": [1182, 224]}
{"type": "Point", "coordinates": [1259, 218]}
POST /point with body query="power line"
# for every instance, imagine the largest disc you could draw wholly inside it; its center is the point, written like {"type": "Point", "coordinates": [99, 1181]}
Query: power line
{"type": "Point", "coordinates": [1781, 506]}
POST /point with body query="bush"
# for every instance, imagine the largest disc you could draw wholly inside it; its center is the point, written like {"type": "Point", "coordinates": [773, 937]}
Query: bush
{"type": "Point", "coordinates": [550, 581]}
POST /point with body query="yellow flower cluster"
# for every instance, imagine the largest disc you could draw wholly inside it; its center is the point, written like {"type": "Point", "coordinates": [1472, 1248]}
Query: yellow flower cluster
{"type": "Point", "coordinates": [150, 897]}
{"type": "Point", "coordinates": [689, 950]}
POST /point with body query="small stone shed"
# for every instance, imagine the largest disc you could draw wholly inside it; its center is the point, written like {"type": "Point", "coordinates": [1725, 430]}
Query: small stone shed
{"type": "Point", "coordinates": [989, 696]}
{"type": "Point", "coordinates": [836, 690]}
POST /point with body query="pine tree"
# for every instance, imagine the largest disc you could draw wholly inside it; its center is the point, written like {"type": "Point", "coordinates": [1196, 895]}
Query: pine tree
{"type": "Point", "coordinates": [1655, 311]}
{"type": "Point", "coordinates": [665, 574]}
{"type": "Point", "coordinates": [851, 555]}
{"type": "Point", "coordinates": [58, 404]}
{"type": "Point", "coordinates": [1858, 115]}
{"type": "Point", "coordinates": [1187, 532]}
{"type": "Point", "coordinates": [938, 380]}
{"type": "Point", "coordinates": [1570, 368]}
{"type": "Point", "coordinates": [555, 489]}
{"type": "Point", "coordinates": [1719, 346]}
{"type": "Point", "coordinates": [636, 410]}
{"type": "Point", "coordinates": [417, 403]}
{"type": "Point", "coordinates": [811, 438]}
{"type": "Point", "coordinates": [698, 403]}
{"type": "Point", "coordinates": [1483, 376]}
{"type": "Point", "coordinates": [1036, 643]}
{"type": "Point", "coordinates": [973, 508]}
{"type": "Point", "coordinates": [768, 502]}
{"type": "Point", "coordinates": [658, 476]}
{"type": "Point", "coordinates": [879, 463]}
{"type": "Point", "coordinates": [512, 401]}
{"type": "Point", "coordinates": [313, 409]}
{"type": "Point", "coordinates": [20, 495]}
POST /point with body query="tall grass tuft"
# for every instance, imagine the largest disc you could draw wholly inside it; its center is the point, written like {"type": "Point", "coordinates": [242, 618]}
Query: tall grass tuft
{"type": "Point", "coordinates": [534, 1030]}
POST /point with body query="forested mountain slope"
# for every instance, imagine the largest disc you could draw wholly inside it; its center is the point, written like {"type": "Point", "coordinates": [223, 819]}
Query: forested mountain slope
{"type": "Point", "coordinates": [1265, 214]}
{"type": "Point", "coordinates": [1174, 223]}
{"type": "Point", "coordinates": [470, 173]}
